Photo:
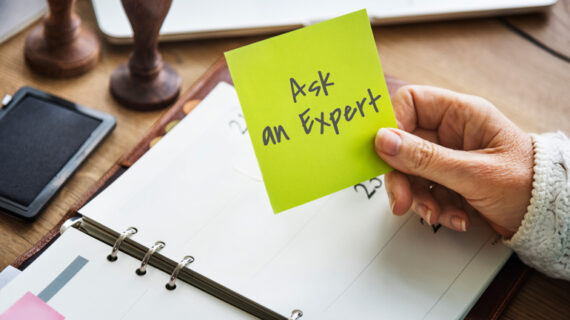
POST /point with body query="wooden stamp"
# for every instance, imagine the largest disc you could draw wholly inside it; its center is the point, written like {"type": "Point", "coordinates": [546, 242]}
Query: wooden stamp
{"type": "Point", "coordinates": [145, 82]}
{"type": "Point", "coordinates": [60, 47]}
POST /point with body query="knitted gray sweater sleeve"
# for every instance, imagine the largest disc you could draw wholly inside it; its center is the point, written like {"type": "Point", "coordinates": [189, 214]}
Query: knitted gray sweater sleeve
{"type": "Point", "coordinates": [543, 239]}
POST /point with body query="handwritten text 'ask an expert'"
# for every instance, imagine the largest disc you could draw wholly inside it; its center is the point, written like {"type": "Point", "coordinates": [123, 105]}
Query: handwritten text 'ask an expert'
{"type": "Point", "coordinates": [325, 121]}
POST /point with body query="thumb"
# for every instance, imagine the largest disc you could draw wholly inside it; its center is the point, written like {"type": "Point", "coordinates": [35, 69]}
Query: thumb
{"type": "Point", "coordinates": [413, 155]}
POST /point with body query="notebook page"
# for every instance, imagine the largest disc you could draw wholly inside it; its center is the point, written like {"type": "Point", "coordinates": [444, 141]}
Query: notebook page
{"type": "Point", "coordinates": [109, 290]}
{"type": "Point", "coordinates": [200, 191]}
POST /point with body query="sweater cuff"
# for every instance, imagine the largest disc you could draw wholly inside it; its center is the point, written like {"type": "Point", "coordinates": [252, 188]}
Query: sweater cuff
{"type": "Point", "coordinates": [542, 239]}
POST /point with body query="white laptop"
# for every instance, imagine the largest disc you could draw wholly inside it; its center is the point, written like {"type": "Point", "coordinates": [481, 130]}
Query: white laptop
{"type": "Point", "coordinates": [189, 19]}
{"type": "Point", "coordinates": [16, 15]}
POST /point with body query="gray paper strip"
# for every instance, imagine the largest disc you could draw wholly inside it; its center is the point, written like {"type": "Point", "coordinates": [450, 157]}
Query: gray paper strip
{"type": "Point", "coordinates": [62, 279]}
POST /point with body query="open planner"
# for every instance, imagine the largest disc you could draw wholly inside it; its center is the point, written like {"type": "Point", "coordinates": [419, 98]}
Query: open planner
{"type": "Point", "coordinates": [195, 208]}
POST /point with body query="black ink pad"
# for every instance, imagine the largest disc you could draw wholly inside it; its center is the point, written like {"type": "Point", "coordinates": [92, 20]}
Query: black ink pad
{"type": "Point", "coordinates": [43, 140]}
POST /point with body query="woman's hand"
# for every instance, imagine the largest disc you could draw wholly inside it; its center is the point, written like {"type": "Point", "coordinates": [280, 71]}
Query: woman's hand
{"type": "Point", "coordinates": [456, 153]}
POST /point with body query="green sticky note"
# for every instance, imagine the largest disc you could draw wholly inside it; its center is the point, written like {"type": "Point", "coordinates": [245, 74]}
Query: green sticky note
{"type": "Point", "coordinates": [313, 100]}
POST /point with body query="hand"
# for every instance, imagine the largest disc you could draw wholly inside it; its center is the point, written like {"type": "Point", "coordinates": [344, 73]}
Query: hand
{"type": "Point", "coordinates": [453, 154]}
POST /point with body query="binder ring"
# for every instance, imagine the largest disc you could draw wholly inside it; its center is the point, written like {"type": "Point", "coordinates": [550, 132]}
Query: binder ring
{"type": "Point", "coordinates": [141, 271]}
{"type": "Point", "coordinates": [73, 222]}
{"type": "Point", "coordinates": [296, 314]}
{"type": "Point", "coordinates": [171, 285]}
{"type": "Point", "coordinates": [129, 232]}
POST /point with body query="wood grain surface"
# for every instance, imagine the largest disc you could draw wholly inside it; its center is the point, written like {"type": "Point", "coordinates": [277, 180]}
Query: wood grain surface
{"type": "Point", "coordinates": [486, 57]}
{"type": "Point", "coordinates": [551, 28]}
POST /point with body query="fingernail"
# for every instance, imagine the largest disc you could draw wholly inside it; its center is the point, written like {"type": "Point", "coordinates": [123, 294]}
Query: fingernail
{"type": "Point", "coordinates": [388, 142]}
{"type": "Point", "coordinates": [458, 224]}
{"type": "Point", "coordinates": [392, 201]}
{"type": "Point", "coordinates": [425, 212]}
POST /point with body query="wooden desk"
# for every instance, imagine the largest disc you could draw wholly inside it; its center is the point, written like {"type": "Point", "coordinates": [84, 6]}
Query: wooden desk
{"type": "Point", "coordinates": [486, 57]}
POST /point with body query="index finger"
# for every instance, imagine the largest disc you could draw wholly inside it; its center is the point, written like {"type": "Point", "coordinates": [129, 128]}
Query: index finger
{"type": "Point", "coordinates": [425, 107]}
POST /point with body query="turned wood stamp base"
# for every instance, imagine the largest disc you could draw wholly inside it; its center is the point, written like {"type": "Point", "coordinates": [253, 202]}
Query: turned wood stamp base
{"type": "Point", "coordinates": [150, 94]}
{"type": "Point", "coordinates": [67, 60]}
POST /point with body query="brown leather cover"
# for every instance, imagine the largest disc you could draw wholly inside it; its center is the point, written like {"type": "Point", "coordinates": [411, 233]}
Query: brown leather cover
{"type": "Point", "coordinates": [489, 306]}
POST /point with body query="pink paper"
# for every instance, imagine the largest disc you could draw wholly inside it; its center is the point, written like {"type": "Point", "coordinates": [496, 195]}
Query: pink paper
{"type": "Point", "coordinates": [30, 307]}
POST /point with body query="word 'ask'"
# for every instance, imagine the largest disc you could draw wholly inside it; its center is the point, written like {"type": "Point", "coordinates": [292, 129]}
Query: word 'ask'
{"type": "Point", "coordinates": [296, 89]}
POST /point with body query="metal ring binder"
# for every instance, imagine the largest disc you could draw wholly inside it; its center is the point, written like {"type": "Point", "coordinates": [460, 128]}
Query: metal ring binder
{"type": "Point", "coordinates": [72, 222]}
{"type": "Point", "coordinates": [296, 314]}
{"type": "Point", "coordinates": [171, 285]}
{"type": "Point", "coordinates": [129, 232]}
{"type": "Point", "coordinates": [141, 271]}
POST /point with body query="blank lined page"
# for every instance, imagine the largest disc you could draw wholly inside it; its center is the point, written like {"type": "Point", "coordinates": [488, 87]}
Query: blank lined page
{"type": "Point", "coordinates": [342, 256]}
